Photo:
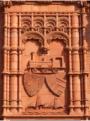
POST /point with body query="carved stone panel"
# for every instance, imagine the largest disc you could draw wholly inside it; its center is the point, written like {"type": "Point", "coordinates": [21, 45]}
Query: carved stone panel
{"type": "Point", "coordinates": [44, 63]}
{"type": "Point", "coordinates": [45, 51]}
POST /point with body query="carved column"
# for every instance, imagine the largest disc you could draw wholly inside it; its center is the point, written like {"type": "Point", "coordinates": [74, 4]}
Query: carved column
{"type": "Point", "coordinates": [85, 72]}
{"type": "Point", "coordinates": [5, 71]}
{"type": "Point", "coordinates": [76, 64]}
{"type": "Point", "coordinates": [8, 61]}
{"type": "Point", "coordinates": [20, 65]}
{"type": "Point", "coordinates": [57, 22]}
{"type": "Point", "coordinates": [45, 42]}
{"type": "Point", "coordinates": [70, 68]}
{"type": "Point", "coordinates": [32, 22]}
{"type": "Point", "coordinates": [14, 61]}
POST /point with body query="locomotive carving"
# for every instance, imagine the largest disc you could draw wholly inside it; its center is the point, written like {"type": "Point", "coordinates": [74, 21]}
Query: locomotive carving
{"type": "Point", "coordinates": [45, 63]}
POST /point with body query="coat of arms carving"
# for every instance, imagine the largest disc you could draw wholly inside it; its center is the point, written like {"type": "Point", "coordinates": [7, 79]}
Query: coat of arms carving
{"type": "Point", "coordinates": [45, 67]}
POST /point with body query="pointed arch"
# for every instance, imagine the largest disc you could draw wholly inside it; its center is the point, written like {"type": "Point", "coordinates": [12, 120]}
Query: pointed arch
{"type": "Point", "coordinates": [33, 36]}
{"type": "Point", "coordinates": [60, 36]}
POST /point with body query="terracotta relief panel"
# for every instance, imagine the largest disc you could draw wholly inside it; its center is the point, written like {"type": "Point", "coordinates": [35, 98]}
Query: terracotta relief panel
{"type": "Point", "coordinates": [45, 62]}
{"type": "Point", "coordinates": [45, 55]}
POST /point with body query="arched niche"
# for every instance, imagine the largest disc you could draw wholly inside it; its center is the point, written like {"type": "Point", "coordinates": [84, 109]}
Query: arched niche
{"type": "Point", "coordinates": [32, 41]}
{"type": "Point", "coordinates": [57, 42]}
{"type": "Point", "coordinates": [33, 36]}
{"type": "Point", "coordinates": [58, 36]}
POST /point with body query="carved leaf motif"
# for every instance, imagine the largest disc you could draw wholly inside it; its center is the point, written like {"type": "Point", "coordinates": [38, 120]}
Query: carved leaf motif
{"type": "Point", "coordinates": [32, 83]}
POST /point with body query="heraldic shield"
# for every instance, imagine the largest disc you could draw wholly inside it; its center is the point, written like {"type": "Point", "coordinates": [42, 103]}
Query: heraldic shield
{"type": "Point", "coordinates": [34, 82]}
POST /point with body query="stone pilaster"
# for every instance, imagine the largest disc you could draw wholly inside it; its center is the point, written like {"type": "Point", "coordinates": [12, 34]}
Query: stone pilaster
{"type": "Point", "coordinates": [85, 68]}
{"type": "Point", "coordinates": [20, 66]}
{"type": "Point", "coordinates": [8, 62]}
{"type": "Point", "coordinates": [32, 26]}
{"type": "Point", "coordinates": [76, 64]}
{"type": "Point", "coordinates": [70, 69]}
{"type": "Point", "coordinates": [5, 48]}
{"type": "Point", "coordinates": [45, 41]}
{"type": "Point", "coordinates": [14, 62]}
{"type": "Point", "coordinates": [5, 70]}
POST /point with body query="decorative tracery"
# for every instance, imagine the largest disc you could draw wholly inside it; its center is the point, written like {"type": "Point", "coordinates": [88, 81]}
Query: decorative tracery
{"type": "Point", "coordinates": [45, 23]}
{"type": "Point", "coordinates": [38, 25]}
{"type": "Point", "coordinates": [50, 25]}
{"type": "Point", "coordinates": [26, 24]}
{"type": "Point", "coordinates": [63, 25]}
